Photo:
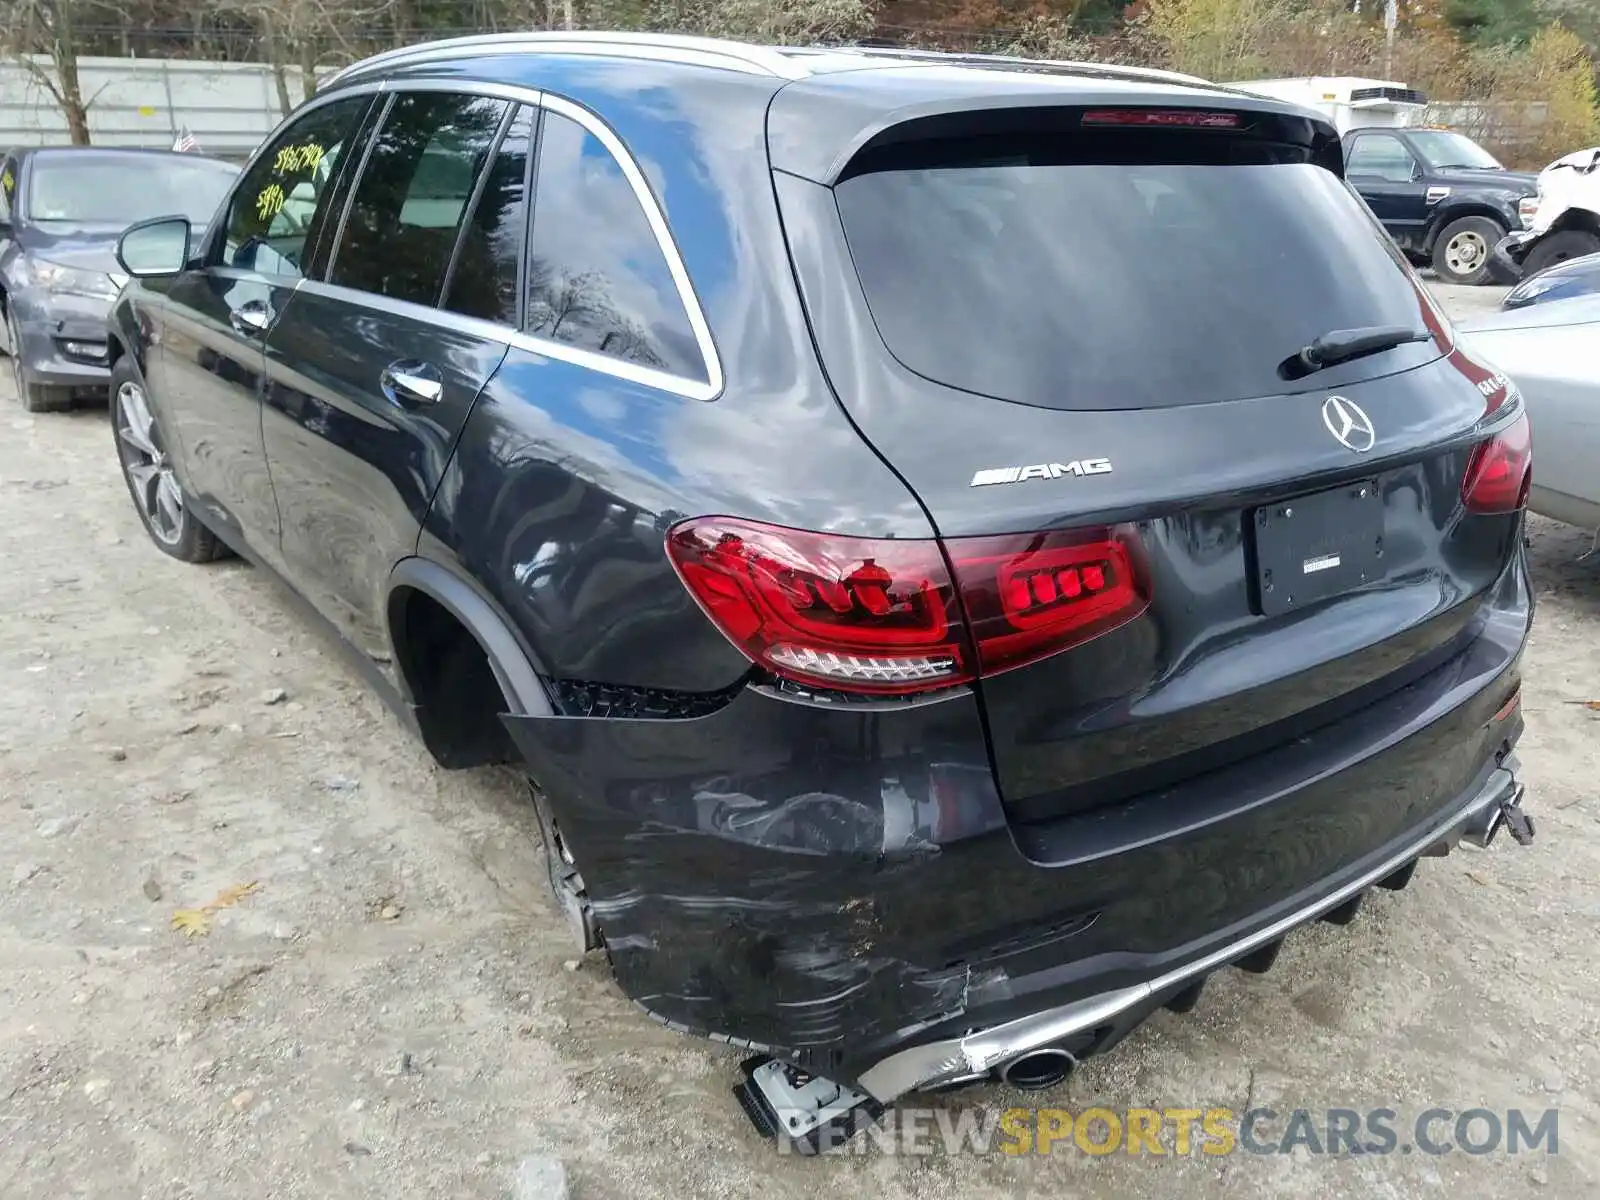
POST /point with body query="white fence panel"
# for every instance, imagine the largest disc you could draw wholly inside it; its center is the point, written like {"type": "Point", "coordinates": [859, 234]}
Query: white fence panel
{"type": "Point", "coordinates": [228, 107]}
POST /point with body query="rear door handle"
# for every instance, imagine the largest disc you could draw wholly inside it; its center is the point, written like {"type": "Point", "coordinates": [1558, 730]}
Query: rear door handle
{"type": "Point", "coordinates": [251, 318]}
{"type": "Point", "coordinates": [411, 382]}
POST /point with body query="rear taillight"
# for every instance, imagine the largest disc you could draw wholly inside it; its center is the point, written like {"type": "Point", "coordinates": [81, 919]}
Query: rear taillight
{"type": "Point", "coordinates": [886, 617]}
{"type": "Point", "coordinates": [1500, 470]}
{"type": "Point", "coordinates": [1030, 595]}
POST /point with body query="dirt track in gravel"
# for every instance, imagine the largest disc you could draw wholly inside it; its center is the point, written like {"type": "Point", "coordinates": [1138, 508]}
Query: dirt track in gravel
{"type": "Point", "coordinates": [389, 1014]}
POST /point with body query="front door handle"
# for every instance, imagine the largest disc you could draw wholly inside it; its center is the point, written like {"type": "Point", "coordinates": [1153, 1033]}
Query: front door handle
{"type": "Point", "coordinates": [411, 382]}
{"type": "Point", "coordinates": [250, 318]}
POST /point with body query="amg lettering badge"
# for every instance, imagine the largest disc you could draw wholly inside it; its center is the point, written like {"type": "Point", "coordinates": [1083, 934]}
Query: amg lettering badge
{"type": "Point", "coordinates": [1055, 470]}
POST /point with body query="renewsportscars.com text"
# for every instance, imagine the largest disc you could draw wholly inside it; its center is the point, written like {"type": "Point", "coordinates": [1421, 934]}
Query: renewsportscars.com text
{"type": "Point", "coordinates": [1180, 1132]}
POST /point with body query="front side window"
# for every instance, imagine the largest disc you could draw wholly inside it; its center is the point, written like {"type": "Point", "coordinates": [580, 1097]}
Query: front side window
{"type": "Point", "coordinates": [272, 214]}
{"type": "Point", "coordinates": [597, 277]}
{"type": "Point", "coordinates": [408, 204]}
{"type": "Point", "coordinates": [1380, 155]}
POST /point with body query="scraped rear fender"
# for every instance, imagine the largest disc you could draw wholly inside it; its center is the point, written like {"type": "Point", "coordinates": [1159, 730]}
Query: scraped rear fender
{"type": "Point", "coordinates": [780, 873]}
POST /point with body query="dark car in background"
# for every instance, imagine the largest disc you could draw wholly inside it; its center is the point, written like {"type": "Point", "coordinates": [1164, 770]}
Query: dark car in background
{"type": "Point", "coordinates": [1445, 200]}
{"type": "Point", "coordinates": [1574, 277]}
{"type": "Point", "coordinates": [62, 209]}
{"type": "Point", "coordinates": [961, 553]}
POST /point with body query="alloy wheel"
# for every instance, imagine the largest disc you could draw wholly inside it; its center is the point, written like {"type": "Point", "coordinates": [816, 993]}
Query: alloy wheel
{"type": "Point", "coordinates": [145, 460]}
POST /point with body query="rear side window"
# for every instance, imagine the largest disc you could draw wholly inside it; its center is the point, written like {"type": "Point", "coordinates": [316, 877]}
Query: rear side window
{"type": "Point", "coordinates": [401, 228]}
{"type": "Point", "coordinates": [597, 277]}
{"type": "Point", "coordinates": [1108, 270]}
{"type": "Point", "coordinates": [483, 281]}
{"type": "Point", "coordinates": [271, 216]}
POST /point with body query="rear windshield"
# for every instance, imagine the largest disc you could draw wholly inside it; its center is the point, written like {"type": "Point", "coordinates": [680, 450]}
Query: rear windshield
{"type": "Point", "coordinates": [1054, 274]}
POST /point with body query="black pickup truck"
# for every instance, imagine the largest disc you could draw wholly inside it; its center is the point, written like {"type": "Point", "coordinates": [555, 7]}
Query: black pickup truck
{"type": "Point", "coordinates": [1442, 197]}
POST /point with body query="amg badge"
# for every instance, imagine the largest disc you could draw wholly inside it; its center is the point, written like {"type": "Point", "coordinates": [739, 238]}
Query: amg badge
{"type": "Point", "coordinates": [1055, 470]}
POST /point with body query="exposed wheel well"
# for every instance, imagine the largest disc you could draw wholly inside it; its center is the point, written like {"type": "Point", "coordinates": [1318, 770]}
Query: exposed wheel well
{"type": "Point", "coordinates": [1582, 219]}
{"type": "Point", "coordinates": [457, 697]}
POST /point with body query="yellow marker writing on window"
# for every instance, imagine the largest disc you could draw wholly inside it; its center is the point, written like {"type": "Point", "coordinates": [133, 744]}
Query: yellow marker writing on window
{"type": "Point", "coordinates": [297, 158]}
{"type": "Point", "coordinates": [269, 202]}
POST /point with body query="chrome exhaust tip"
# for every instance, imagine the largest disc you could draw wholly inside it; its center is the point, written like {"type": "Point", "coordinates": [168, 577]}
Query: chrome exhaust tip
{"type": "Point", "coordinates": [1483, 827]}
{"type": "Point", "coordinates": [1038, 1069]}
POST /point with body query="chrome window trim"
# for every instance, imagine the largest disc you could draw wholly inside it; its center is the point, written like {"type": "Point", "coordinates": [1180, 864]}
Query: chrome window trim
{"type": "Point", "coordinates": [708, 388]}
{"type": "Point", "coordinates": [493, 331]}
{"type": "Point", "coordinates": [711, 386]}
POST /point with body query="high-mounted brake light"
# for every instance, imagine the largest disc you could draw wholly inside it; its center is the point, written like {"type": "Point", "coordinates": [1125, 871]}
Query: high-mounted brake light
{"type": "Point", "coordinates": [1182, 118]}
{"type": "Point", "coordinates": [1500, 471]}
{"type": "Point", "coordinates": [886, 616]}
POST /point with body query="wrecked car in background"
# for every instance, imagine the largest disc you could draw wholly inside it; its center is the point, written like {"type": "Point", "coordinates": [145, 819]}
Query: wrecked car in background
{"type": "Point", "coordinates": [833, 497]}
{"type": "Point", "coordinates": [1564, 221]}
{"type": "Point", "coordinates": [1552, 351]}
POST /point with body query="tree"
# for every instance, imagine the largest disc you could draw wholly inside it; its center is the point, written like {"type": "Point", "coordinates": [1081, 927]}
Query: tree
{"type": "Point", "coordinates": [1494, 22]}
{"type": "Point", "coordinates": [47, 30]}
{"type": "Point", "coordinates": [1216, 39]}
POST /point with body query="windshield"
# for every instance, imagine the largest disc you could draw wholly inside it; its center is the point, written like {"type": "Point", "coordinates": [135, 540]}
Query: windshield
{"type": "Point", "coordinates": [1445, 149]}
{"type": "Point", "coordinates": [1121, 284]}
{"type": "Point", "coordinates": [120, 191]}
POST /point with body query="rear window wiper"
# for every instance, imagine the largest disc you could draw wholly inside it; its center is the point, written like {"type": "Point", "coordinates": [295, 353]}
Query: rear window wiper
{"type": "Point", "coordinates": [1342, 345]}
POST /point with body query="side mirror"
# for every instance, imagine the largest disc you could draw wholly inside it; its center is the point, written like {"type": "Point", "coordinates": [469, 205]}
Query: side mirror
{"type": "Point", "coordinates": [155, 247]}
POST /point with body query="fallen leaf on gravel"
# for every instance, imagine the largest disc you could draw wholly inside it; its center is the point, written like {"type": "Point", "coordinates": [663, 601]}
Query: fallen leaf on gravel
{"type": "Point", "coordinates": [1477, 879]}
{"type": "Point", "coordinates": [196, 922]}
{"type": "Point", "coordinates": [191, 922]}
{"type": "Point", "coordinates": [230, 896]}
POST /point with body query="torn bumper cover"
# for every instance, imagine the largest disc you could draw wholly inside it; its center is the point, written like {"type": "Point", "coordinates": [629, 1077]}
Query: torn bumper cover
{"type": "Point", "coordinates": [837, 884]}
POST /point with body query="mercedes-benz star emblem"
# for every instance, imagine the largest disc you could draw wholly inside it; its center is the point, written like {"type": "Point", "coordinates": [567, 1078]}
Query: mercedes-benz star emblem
{"type": "Point", "coordinates": [1348, 423]}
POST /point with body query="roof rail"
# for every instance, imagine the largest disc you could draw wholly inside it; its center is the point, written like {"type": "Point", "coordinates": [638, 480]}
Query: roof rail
{"type": "Point", "coordinates": [760, 60]}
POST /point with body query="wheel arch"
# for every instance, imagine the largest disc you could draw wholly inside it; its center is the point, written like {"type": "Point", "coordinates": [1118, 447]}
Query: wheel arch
{"type": "Point", "coordinates": [1583, 220]}
{"type": "Point", "coordinates": [508, 657]}
{"type": "Point", "coordinates": [122, 339]}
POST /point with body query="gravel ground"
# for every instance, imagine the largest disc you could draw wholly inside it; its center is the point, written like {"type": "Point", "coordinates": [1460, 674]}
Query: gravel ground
{"type": "Point", "coordinates": [393, 1009]}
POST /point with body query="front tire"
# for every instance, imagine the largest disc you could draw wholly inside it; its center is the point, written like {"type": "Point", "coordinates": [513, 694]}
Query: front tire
{"type": "Point", "coordinates": [1558, 247]}
{"type": "Point", "coordinates": [141, 452]}
{"type": "Point", "coordinates": [35, 397]}
{"type": "Point", "coordinates": [1464, 248]}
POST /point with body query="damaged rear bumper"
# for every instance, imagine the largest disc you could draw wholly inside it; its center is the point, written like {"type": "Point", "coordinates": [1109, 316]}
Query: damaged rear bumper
{"type": "Point", "coordinates": [1094, 1022]}
{"type": "Point", "coordinates": [838, 885]}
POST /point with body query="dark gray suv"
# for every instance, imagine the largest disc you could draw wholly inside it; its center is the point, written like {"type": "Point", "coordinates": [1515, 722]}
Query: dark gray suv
{"type": "Point", "coordinates": [961, 549]}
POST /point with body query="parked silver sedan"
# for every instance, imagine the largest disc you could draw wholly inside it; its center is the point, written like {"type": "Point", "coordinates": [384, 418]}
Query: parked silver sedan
{"type": "Point", "coordinates": [1552, 352]}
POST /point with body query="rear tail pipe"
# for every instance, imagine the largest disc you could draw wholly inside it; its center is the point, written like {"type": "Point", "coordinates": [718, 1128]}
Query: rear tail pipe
{"type": "Point", "coordinates": [1038, 1069]}
{"type": "Point", "coordinates": [1486, 824]}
